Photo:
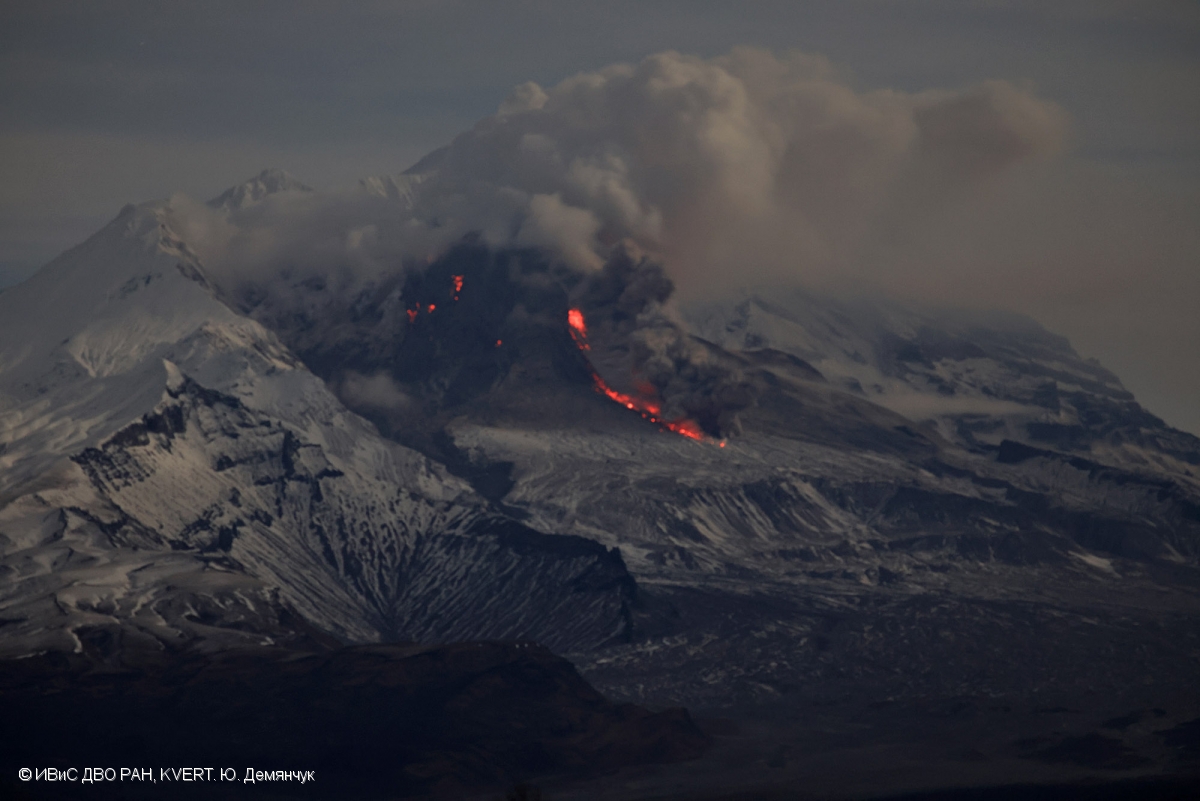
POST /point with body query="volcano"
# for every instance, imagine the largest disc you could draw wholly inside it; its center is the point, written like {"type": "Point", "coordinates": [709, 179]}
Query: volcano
{"type": "Point", "coordinates": [846, 535]}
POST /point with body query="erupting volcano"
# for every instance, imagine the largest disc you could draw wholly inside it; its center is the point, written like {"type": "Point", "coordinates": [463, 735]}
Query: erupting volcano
{"type": "Point", "coordinates": [648, 408]}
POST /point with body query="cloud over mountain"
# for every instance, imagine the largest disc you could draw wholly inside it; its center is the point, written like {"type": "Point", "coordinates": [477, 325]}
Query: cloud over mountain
{"type": "Point", "coordinates": [729, 170]}
{"type": "Point", "coordinates": [740, 170]}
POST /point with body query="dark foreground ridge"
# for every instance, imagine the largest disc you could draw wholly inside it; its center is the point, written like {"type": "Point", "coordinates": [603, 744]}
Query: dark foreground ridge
{"type": "Point", "coordinates": [372, 721]}
{"type": "Point", "coordinates": [1158, 789]}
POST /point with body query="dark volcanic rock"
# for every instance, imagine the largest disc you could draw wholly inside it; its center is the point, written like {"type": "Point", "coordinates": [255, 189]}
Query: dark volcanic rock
{"type": "Point", "coordinates": [1091, 751]}
{"type": "Point", "coordinates": [382, 720]}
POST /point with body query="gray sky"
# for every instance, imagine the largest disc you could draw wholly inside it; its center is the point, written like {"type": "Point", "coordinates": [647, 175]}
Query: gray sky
{"type": "Point", "coordinates": [104, 103]}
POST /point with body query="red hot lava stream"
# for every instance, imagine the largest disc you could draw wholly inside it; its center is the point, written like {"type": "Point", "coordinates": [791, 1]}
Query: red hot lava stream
{"type": "Point", "coordinates": [648, 408]}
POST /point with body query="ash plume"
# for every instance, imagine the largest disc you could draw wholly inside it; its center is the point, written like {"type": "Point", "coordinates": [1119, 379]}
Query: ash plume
{"type": "Point", "coordinates": [729, 170]}
{"type": "Point", "coordinates": [675, 171]}
{"type": "Point", "coordinates": [740, 169]}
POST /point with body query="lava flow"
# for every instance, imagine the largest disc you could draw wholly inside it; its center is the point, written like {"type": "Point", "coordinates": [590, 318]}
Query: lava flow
{"type": "Point", "coordinates": [578, 328]}
{"type": "Point", "coordinates": [648, 408]}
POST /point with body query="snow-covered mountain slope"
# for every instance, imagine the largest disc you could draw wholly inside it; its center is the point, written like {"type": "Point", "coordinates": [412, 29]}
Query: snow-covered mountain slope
{"type": "Point", "coordinates": [979, 377]}
{"type": "Point", "coordinates": [267, 182]}
{"type": "Point", "coordinates": [839, 527]}
{"type": "Point", "coordinates": [432, 453]}
{"type": "Point", "coordinates": [169, 467]}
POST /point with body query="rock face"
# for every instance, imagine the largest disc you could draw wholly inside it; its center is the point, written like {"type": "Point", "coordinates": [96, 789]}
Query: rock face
{"type": "Point", "coordinates": [389, 563]}
{"type": "Point", "coordinates": [172, 471]}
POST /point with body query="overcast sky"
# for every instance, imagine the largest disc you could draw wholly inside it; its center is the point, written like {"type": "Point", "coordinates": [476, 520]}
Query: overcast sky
{"type": "Point", "coordinates": [104, 103]}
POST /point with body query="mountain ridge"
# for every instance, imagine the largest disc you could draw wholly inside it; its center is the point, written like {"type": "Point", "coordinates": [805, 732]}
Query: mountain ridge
{"type": "Point", "coordinates": [907, 508]}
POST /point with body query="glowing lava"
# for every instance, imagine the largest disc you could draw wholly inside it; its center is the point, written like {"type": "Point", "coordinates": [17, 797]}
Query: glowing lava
{"type": "Point", "coordinates": [578, 328]}
{"type": "Point", "coordinates": [648, 408]}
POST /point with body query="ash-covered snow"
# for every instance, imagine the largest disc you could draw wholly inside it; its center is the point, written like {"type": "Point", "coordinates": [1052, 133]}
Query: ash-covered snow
{"type": "Point", "coordinates": [978, 377]}
{"type": "Point", "coordinates": [179, 466]}
{"type": "Point", "coordinates": [177, 461]}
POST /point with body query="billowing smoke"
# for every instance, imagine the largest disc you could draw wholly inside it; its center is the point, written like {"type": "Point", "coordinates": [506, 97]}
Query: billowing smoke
{"type": "Point", "coordinates": [743, 169]}
{"type": "Point", "coordinates": [730, 171]}
{"type": "Point", "coordinates": [727, 170]}
{"type": "Point", "coordinates": [637, 344]}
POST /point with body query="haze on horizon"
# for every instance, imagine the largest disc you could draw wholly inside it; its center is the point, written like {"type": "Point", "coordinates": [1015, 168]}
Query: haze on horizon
{"type": "Point", "coordinates": [1090, 224]}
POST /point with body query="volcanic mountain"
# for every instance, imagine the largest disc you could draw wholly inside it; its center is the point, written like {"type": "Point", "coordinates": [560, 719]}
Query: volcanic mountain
{"type": "Point", "coordinates": [788, 508]}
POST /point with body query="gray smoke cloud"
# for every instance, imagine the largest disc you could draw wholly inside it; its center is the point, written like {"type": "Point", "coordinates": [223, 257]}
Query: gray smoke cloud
{"type": "Point", "coordinates": [727, 170]}
{"type": "Point", "coordinates": [702, 174]}
{"type": "Point", "coordinates": [731, 170]}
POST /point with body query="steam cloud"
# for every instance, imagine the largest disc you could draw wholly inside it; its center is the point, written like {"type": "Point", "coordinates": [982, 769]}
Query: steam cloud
{"type": "Point", "coordinates": [743, 169]}
{"type": "Point", "coordinates": [733, 170]}
{"type": "Point", "coordinates": [726, 170]}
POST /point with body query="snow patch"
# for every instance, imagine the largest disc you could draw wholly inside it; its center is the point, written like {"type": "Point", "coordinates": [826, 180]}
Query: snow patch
{"type": "Point", "coordinates": [1098, 562]}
